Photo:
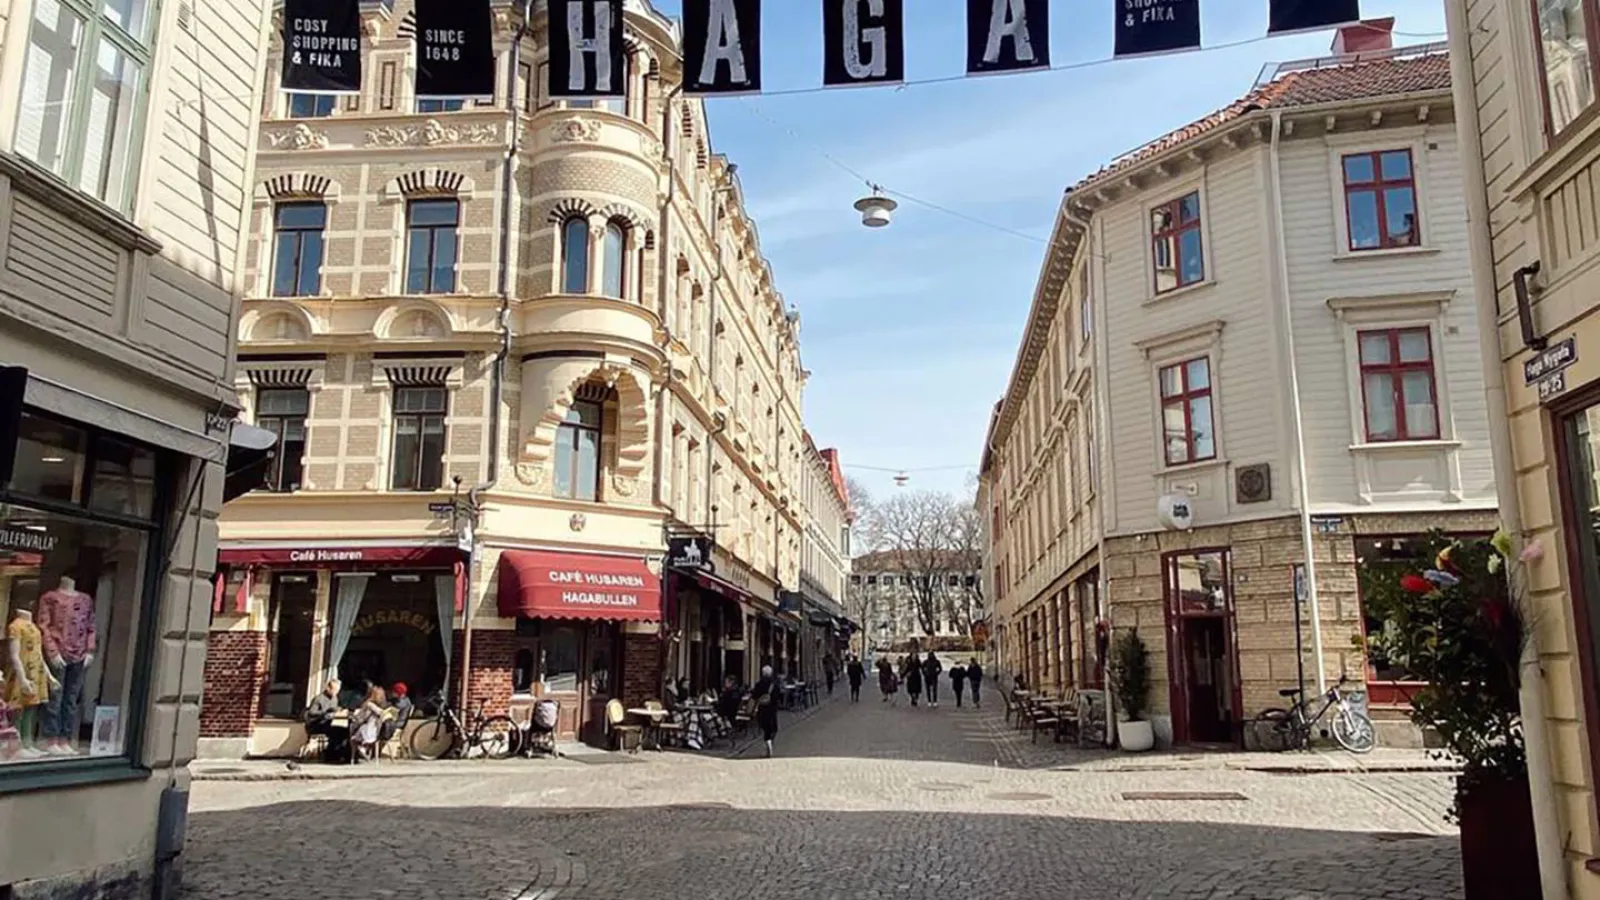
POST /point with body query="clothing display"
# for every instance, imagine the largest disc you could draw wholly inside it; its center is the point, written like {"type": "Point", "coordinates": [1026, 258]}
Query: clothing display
{"type": "Point", "coordinates": [66, 623]}
{"type": "Point", "coordinates": [28, 680]}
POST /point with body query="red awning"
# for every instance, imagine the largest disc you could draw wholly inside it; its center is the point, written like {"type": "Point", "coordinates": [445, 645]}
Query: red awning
{"type": "Point", "coordinates": [546, 584]}
{"type": "Point", "coordinates": [427, 555]}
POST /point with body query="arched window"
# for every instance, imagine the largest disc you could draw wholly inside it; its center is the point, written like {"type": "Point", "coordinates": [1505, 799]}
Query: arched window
{"type": "Point", "coordinates": [575, 256]}
{"type": "Point", "coordinates": [614, 260]}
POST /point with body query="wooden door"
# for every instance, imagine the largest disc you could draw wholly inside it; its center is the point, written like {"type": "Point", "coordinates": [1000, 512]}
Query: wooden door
{"type": "Point", "coordinates": [561, 672]}
{"type": "Point", "coordinates": [600, 684]}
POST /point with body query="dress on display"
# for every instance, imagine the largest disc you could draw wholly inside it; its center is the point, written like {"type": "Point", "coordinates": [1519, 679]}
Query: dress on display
{"type": "Point", "coordinates": [30, 646]}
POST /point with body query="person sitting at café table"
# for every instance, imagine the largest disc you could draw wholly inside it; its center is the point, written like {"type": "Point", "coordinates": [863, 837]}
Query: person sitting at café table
{"type": "Point", "coordinates": [728, 701]}
{"type": "Point", "coordinates": [319, 720]}
{"type": "Point", "coordinates": [367, 723]}
{"type": "Point", "coordinates": [401, 706]}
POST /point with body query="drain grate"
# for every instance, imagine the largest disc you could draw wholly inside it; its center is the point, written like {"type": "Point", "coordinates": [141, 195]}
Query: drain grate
{"type": "Point", "coordinates": [945, 787]}
{"type": "Point", "coordinates": [230, 771]}
{"type": "Point", "coordinates": [1022, 796]}
{"type": "Point", "coordinates": [708, 804]}
{"type": "Point", "coordinates": [1392, 836]}
{"type": "Point", "coordinates": [1184, 796]}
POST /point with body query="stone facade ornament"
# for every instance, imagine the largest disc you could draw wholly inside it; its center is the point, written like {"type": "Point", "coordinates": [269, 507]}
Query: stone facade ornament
{"type": "Point", "coordinates": [575, 130]}
{"type": "Point", "coordinates": [432, 133]}
{"type": "Point", "coordinates": [624, 486]}
{"type": "Point", "coordinates": [300, 137]}
{"type": "Point", "coordinates": [532, 474]}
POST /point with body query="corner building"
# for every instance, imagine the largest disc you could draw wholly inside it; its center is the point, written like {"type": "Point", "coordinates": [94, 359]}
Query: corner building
{"type": "Point", "coordinates": [1251, 380]}
{"type": "Point", "coordinates": [490, 439]}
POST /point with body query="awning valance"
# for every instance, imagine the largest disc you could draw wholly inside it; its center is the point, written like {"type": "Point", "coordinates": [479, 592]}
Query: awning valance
{"type": "Point", "coordinates": [549, 584]}
{"type": "Point", "coordinates": [322, 557]}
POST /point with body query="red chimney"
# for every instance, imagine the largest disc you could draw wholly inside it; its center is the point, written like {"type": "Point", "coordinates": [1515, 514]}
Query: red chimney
{"type": "Point", "coordinates": [1365, 36]}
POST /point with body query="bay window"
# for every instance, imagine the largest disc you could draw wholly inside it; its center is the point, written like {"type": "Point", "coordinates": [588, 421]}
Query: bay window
{"type": "Point", "coordinates": [1567, 59]}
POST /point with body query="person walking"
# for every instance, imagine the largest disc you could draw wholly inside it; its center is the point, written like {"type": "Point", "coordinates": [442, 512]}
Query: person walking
{"type": "Point", "coordinates": [856, 674]}
{"type": "Point", "coordinates": [913, 680]}
{"type": "Point", "coordinates": [975, 675]}
{"type": "Point", "coordinates": [829, 665]}
{"type": "Point", "coordinates": [766, 694]}
{"type": "Point", "coordinates": [931, 670]}
{"type": "Point", "coordinates": [886, 680]}
{"type": "Point", "coordinates": [958, 681]}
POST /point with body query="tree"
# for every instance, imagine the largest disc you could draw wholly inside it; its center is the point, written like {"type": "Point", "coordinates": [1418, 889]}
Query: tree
{"type": "Point", "coordinates": [863, 530]}
{"type": "Point", "coordinates": [966, 534]}
{"type": "Point", "coordinates": [920, 529]}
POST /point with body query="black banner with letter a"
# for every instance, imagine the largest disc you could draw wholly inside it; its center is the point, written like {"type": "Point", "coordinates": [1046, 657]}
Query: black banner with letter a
{"type": "Point", "coordinates": [1287, 16]}
{"type": "Point", "coordinates": [586, 54]}
{"type": "Point", "coordinates": [721, 46]}
{"type": "Point", "coordinates": [1147, 27]}
{"type": "Point", "coordinates": [863, 42]}
{"type": "Point", "coordinates": [322, 46]}
{"type": "Point", "coordinates": [1007, 36]}
{"type": "Point", "coordinates": [455, 48]}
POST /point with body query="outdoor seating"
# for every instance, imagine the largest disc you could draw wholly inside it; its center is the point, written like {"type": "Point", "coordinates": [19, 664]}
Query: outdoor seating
{"type": "Point", "coordinates": [618, 731]}
{"type": "Point", "coordinates": [666, 728]}
{"type": "Point", "coordinates": [1041, 718]}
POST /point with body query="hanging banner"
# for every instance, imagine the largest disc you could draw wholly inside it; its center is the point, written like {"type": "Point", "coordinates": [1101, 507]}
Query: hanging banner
{"type": "Point", "coordinates": [721, 46]}
{"type": "Point", "coordinates": [322, 46]}
{"type": "Point", "coordinates": [1289, 16]}
{"type": "Point", "coordinates": [1007, 36]}
{"type": "Point", "coordinates": [1148, 27]}
{"type": "Point", "coordinates": [586, 54]}
{"type": "Point", "coordinates": [455, 48]}
{"type": "Point", "coordinates": [863, 42]}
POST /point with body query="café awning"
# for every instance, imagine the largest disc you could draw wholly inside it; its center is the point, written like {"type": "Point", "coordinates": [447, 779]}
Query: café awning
{"type": "Point", "coordinates": [549, 584]}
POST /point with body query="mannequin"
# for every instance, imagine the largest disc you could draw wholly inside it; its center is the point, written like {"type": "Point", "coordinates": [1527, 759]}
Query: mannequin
{"type": "Point", "coordinates": [28, 683]}
{"type": "Point", "coordinates": [66, 624]}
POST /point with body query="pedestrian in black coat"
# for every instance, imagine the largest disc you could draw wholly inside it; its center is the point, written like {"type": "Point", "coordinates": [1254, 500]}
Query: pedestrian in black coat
{"type": "Point", "coordinates": [857, 674]}
{"type": "Point", "coordinates": [975, 675]}
{"type": "Point", "coordinates": [931, 669]}
{"type": "Point", "coordinates": [914, 681]}
{"type": "Point", "coordinates": [958, 681]}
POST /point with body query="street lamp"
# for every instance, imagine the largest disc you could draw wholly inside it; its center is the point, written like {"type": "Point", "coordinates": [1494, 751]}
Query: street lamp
{"type": "Point", "coordinates": [875, 208]}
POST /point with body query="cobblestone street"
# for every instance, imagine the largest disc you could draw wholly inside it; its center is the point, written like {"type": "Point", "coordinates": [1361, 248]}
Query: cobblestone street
{"type": "Point", "coordinates": [862, 801]}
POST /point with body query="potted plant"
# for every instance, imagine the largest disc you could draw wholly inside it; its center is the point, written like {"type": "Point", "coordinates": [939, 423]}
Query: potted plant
{"type": "Point", "coordinates": [1458, 622]}
{"type": "Point", "coordinates": [1130, 680]}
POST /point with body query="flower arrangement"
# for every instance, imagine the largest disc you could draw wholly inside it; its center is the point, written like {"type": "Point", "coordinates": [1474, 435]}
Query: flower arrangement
{"type": "Point", "coordinates": [1461, 626]}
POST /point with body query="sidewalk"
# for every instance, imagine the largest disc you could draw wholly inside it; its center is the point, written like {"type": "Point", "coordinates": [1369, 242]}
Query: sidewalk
{"type": "Point", "coordinates": [288, 770]}
{"type": "Point", "coordinates": [1311, 762]}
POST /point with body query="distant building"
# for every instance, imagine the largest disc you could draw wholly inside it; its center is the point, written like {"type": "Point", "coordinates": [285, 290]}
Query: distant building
{"type": "Point", "coordinates": [899, 594]}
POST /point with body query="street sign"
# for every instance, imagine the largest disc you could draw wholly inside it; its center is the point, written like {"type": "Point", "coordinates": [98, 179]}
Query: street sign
{"type": "Point", "coordinates": [1552, 359]}
{"type": "Point", "coordinates": [1552, 386]}
{"type": "Point", "coordinates": [1326, 524]}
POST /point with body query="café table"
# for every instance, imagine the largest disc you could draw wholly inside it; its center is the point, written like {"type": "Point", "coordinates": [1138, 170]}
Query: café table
{"type": "Point", "coordinates": [652, 724]}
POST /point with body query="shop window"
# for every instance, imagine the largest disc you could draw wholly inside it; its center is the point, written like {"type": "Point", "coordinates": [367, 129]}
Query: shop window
{"type": "Point", "coordinates": [575, 256]}
{"type": "Point", "coordinates": [297, 249]}
{"type": "Point", "coordinates": [440, 104]}
{"type": "Point", "coordinates": [395, 635]}
{"type": "Point", "coordinates": [291, 624]}
{"type": "Point", "coordinates": [1580, 476]}
{"type": "Point", "coordinates": [431, 246]}
{"type": "Point", "coordinates": [283, 412]}
{"type": "Point", "coordinates": [311, 106]}
{"type": "Point", "coordinates": [559, 649]}
{"type": "Point", "coordinates": [577, 452]}
{"type": "Point", "coordinates": [1200, 581]}
{"type": "Point", "coordinates": [1397, 385]}
{"type": "Point", "coordinates": [1186, 413]}
{"type": "Point", "coordinates": [1380, 563]}
{"type": "Point", "coordinates": [1568, 60]}
{"type": "Point", "coordinates": [1380, 200]}
{"type": "Point", "coordinates": [522, 673]}
{"type": "Point", "coordinates": [77, 522]}
{"type": "Point", "coordinates": [1177, 251]}
{"type": "Point", "coordinates": [419, 438]}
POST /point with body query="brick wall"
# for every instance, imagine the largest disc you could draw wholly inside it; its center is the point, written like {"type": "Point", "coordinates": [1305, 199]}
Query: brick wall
{"type": "Point", "coordinates": [493, 653]}
{"type": "Point", "coordinates": [235, 678]}
{"type": "Point", "coordinates": [641, 668]}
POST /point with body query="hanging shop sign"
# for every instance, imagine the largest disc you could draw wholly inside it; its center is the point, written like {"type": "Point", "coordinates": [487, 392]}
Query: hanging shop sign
{"type": "Point", "coordinates": [1176, 512]}
{"type": "Point", "coordinates": [721, 46]}
{"type": "Point", "coordinates": [1007, 36]}
{"type": "Point", "coordinates": [1290, 16]}
{"type": "Point", "coordinates": [1149, 27]}
{"type": "Point", "coordinates": [863, 42]}
{"type": "Point", "coordinates": [322, 46]}
{"type": "Point", "coordinates": [586, 53]}
{"type": "Point", "coordinates": [455, 48]}
{"type": "Point", "coordinates": [689, 552]}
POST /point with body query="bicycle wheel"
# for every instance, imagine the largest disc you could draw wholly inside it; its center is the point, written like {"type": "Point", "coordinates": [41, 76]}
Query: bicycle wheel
{"type": "Point", "coordinates": [1274, 729]}
{"type": "Point", "coordinates": [431, 740]}
{"type": "Point", "coordinates": [1354, 731]}
{"type": "Point", "coordinates": [498, 737]}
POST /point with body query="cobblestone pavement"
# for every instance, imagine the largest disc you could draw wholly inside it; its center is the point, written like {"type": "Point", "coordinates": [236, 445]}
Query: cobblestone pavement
{"type": "Point", "coordinates": [862, 802]}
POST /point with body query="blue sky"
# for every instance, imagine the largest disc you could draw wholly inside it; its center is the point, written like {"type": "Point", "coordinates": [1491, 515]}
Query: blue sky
{"type": "Point", "coordinates": [910, 331]}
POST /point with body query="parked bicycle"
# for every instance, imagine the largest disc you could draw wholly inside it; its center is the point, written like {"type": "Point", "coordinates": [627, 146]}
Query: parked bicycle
{"type": "Point", "coordinates": [1291, 728]}
{"type": "Point", "coordinates": [446, 735]}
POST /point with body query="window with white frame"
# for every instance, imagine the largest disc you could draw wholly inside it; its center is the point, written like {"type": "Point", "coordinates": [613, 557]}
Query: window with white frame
{"type": "Point", "coordinates": [83, 93]}
{"type": "Point", "coordinates": [1399, 395]}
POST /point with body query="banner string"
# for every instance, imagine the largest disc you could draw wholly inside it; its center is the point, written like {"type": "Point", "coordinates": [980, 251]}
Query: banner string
{"type": "Point", "coordinates": [877, 187]}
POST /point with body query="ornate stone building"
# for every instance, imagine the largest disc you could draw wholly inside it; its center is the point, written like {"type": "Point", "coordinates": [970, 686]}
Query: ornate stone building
{"type": "Point", "coordinates": [490, 432]}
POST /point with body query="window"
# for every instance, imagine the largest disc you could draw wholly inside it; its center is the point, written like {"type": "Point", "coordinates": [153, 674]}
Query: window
{"type": "Point", "coordinates": [82, 93]}
{"type": "Point", "coordinates": [1085, 305]}
{"type": "Point", "coordinates": [614, 266]}
{"type": "Point", "coordinates": [1397, 388]}
{"type": "Point", "coordinates": [575, 256]}
{"type": "Point", "coordinates": [439, 104]}
{"type": "Point", "coordinates": [1186, 412]}
{"type": "Point", "coordinates": [80, 512]}
{"type": "Point", "coordinates": [577, 470]}
{"type": "Point", "coordinates": [1567, 60]}
{"type": "Point", "coordinates": [419, 438]}
{"type": "Point", "coordinates": [297, 249]}
{"type": "Point", "coordinates": [311, 106]}
{"type": "Point", "coordinates": [1380, 200]}
{"type": "Point", "coordinates": [431, 246]}
{"type": "Point", "coordinates": [1176, 243]}
{"type": "Point", "coordinates": [292, 620]}
{"type": "Point", "coordinates": [283, 411]}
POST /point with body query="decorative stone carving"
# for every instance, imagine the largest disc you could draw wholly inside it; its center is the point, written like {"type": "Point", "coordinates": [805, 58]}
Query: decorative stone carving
{"type": "Point", "coordinates": [624, 486]}
{"type": "Point", "coordinates": [532, 474]}
{"type": "Point", "coordinates": [575, 130]}
{"type": "Point", "coordinates": [300, 137]}
{"type": "Point", "coordinates": [653, 147]}
{"type": "Point", "coordinates": [432, 133]}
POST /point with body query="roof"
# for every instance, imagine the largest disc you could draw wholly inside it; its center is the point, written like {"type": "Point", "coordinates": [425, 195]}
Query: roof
{"type": "Point", "coordinates": [1338, 82]}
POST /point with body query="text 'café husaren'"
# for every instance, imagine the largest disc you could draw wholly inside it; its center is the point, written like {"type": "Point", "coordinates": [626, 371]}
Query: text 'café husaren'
{"type": "Point", "coordinates": [580, 628]}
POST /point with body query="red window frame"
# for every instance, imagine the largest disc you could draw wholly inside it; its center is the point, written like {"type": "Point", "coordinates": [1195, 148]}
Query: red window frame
{"type": "Point", "coordinates": [1396, 370]}
{"type": "Point", "coordinates": [1183, 399]}
{"type": "Point", "coordinates": [1175, 233]}
{"type": "Point", "coordinates": [1591, 30]}
{"type": "Point", "coordinates": [1379, 187]}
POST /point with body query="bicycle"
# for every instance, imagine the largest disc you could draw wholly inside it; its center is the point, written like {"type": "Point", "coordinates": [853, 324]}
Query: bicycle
{"type": "Point", "coordinates": [446, 735]}
{"type": "Point", "coordinates": [1292, 727]}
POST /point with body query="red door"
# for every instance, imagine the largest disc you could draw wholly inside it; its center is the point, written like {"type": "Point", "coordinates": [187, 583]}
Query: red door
{"type": "Point", "coordinates": [1202, 656]}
